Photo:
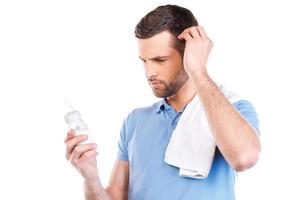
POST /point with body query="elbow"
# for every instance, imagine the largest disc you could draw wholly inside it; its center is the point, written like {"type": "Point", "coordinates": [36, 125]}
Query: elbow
{"type": "Point", "coordinates": [246, 160]}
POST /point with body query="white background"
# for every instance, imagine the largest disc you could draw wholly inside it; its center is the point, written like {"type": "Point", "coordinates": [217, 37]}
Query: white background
{"type": "Point", "coordinates": [86, 51]}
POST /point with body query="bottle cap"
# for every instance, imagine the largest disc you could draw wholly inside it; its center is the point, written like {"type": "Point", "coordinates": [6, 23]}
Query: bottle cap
{"type": "Point", "coordinates": [72, 116]}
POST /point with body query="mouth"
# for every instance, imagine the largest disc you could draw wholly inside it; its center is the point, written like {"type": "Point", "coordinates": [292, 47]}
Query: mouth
{"type": "Point", "coordinates": [155, 84]}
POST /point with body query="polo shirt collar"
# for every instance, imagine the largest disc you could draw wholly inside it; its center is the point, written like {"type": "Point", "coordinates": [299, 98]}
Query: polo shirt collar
{"type": "Point", "coordinates": [162, 105]}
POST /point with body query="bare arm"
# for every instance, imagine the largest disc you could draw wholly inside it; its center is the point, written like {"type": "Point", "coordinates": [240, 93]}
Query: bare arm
{"type": "Point", "coordinates": [83, 158]}
{"type": "Point", "coordinates": [117, 188]}
{"type": "Point", "coordinates": [235, 137]}
{"type": "Point", "coordinates": [119, 180]}
{"type": "Point", "coordinates": [93, 190]}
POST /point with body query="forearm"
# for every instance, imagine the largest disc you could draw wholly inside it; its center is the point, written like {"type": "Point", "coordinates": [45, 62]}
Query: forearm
{"type": "Point", "coordinates": [235, 137]}
{"type": "Point", "coordinates": [95, 191]}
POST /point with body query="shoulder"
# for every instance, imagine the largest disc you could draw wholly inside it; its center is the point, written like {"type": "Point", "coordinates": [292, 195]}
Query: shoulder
{"type": "Point", "coordinates": [247, 110]}
{"type": "Point", "coordinates": [244, 106]}
{"type": "Point", "coordinates": [142, 112]}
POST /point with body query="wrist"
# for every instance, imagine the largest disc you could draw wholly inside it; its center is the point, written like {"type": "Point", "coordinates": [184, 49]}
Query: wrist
{"type": "Point", "coordinates": [92, 186]}
{"type": "Point", "coordinates": [91, 182]}
{"type": "Point", "coordinates": [199, 75]}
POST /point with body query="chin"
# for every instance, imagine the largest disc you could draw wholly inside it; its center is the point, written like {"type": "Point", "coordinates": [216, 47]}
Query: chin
{"type": "Point", "coordinates": [158, 94]}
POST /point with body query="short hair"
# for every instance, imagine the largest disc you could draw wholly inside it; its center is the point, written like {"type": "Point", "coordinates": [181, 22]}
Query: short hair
{"type": "Point", "coordinates": [172, 18]}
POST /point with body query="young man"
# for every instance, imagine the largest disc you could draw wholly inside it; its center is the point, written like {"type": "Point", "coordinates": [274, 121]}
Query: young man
{"type": "Point", "coordinates": [174, 51]}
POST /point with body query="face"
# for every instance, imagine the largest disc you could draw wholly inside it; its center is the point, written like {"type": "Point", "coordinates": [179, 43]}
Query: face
{"type": "Point", "coordinates": [163, 64]}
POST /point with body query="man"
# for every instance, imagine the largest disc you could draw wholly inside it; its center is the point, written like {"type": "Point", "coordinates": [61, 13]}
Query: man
{"type": "Point", "coordinates": [174, 51]}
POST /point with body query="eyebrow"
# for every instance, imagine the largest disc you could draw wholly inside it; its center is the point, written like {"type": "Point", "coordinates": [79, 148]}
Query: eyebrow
{"type": "Point", "coordinates": [156, 58]}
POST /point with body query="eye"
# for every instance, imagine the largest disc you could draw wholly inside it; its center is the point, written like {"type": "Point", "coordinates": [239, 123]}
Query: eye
{"type": "Point", "coordinates": [143, 60]}
{"type": "Point", "coordinates": [160, 60]}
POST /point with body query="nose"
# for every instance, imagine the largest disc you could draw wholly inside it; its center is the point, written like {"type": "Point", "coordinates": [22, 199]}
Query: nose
{"type": "Point", "coordinates": [151, 70]}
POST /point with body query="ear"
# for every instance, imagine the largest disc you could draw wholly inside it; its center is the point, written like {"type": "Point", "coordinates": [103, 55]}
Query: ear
{"type": "Point", "coordinates": [179, 46]}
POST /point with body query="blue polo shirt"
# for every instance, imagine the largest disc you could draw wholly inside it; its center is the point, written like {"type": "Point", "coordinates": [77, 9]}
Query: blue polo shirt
{"type": "Point", "coordinates": [143, 140]}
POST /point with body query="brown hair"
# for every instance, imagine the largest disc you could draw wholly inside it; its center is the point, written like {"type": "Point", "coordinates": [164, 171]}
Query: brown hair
{"type": "Point", "coordinates": [172, 18]}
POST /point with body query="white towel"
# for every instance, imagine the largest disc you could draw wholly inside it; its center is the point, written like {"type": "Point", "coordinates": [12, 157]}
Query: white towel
{"type": "Point", "coordinates": [192, 145]}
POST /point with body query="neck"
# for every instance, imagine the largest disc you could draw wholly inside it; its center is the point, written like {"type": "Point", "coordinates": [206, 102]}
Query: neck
{"type": "Point", "coordinates": [182, 97]}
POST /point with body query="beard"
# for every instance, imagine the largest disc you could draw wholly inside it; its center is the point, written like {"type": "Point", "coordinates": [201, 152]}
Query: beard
{"type": "Point", "coordinates": [169, 89]}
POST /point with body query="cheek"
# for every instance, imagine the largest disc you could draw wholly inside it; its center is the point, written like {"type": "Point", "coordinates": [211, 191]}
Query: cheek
{"type": "Point", "coordinates": [173, 68]}
{"type": "Point", "coordinates": [167, 76]}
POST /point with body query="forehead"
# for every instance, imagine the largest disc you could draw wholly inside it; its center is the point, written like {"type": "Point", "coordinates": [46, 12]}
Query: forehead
{"type": "Point", "coordinates": [157, 45]}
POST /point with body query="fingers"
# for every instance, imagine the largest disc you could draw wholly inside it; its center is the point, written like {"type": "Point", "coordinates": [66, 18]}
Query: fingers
{"type": "Point", "coordinates": [202, 32]}
{"type": "Point", "coordinates": [185, 35]}
{"type": "Point", "coordinates": [87, 155]}
{"type": "Point", "coordinates": [70, 144]}
{"type": "Point", "coordinates": [83, 150]}
{"type": "Point", "coordinates": [70, 135]}
{"type": "Point", "coordinates": [196, 32]}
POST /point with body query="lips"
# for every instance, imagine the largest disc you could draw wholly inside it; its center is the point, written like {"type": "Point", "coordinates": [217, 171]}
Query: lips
{"type": "Point", "coordinates": [155, 84]}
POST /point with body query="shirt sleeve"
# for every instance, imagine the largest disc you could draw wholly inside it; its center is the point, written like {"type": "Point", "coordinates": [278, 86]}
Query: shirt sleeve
{"type": "Point", "coordinates": [122, 142]}
{"type": "Point", "coordinates": [247, 110]}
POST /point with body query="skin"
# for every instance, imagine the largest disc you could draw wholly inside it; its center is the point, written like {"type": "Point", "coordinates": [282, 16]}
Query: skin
{"type": "Point", "coordinates": [156, 56]}
{"type": "Point", "coordinates": [178, 80]}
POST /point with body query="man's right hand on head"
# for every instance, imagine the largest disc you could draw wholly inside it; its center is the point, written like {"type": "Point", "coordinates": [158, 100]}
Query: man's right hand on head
{"type": "Point", "coordinates": [82, 156]}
